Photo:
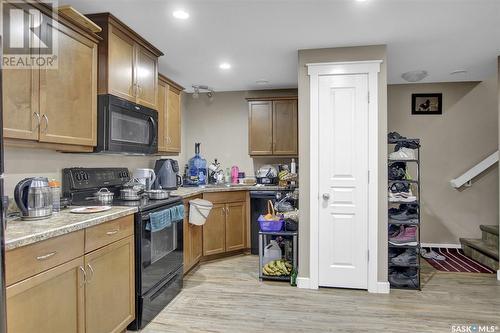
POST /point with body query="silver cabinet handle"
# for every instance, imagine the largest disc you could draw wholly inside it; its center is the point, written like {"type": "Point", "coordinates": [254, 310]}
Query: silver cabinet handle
{"type": "Point", "coordinates": [227, 211]}
{"type": "Point", "coordinates": [37, 115]}
{"type": "Point", "coordinates": [91, 276]}
{"type": "Point", "coordinates": [46, 256]}
{"type": "Point", "coordinates": [46, 129]}
{"type": "Point", "coordinates": [326, 196]}
{"type": "Point", "coordinates": [110, 233]}
{"type": "Point", "coordinates": [84, 275]}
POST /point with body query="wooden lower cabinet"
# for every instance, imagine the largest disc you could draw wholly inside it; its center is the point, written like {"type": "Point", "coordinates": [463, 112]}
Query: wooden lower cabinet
{"type": "Point", "coordinates": [235, 226]}
{"type": "Point", "coordinates": [110, 288]}
{"type": "Point", "coordinates": [214, 231]}
{"type": "Point", "coordinates": [193, 239]}
{"type": "Point", "coordinates": [52, 301]}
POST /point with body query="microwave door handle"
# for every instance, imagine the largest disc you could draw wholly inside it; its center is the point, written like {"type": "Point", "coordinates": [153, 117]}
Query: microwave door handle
{"type": "Point", "coordinates": [155, 131]}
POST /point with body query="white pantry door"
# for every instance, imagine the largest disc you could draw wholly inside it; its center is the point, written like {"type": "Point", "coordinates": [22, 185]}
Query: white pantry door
{"type": "Point", "coordinates": [343, 181]}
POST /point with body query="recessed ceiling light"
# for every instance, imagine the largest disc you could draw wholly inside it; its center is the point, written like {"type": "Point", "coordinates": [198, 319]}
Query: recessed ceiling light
{"type": "Point", "coordinates": [459, 71]}
{"type": "Point", "coordinates": [414, 76]}
{"type": "Point", "coordinates": [181, 14]}
{"type": "Point", "coordinates": [263, 81]}
{"type": "Point", "coordinates": [225, 65]}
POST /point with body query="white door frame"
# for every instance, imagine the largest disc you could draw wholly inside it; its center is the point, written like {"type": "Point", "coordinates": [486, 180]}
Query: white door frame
{"type": "Point", "coordinates": [315, 70]}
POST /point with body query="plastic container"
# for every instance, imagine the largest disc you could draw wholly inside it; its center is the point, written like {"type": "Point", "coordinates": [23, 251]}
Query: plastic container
{"type": "Point", "coordinates": [271, 225]}
{"type": "Point", "coordinates": [197, 167]}
{"type": "Point", "coordinates": [272, 251]}
{"type": "Point", "coordinates": [199, 210]}
{"type": "Point", "coordinates": [55, 188]}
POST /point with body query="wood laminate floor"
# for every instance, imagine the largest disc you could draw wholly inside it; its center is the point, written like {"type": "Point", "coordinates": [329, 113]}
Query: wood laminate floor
{"type": "Point", "coordinates": [226, 296]}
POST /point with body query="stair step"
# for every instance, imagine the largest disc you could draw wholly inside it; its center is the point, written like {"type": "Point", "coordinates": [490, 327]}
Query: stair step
{"type": "Point", "coordinates": [490, 235]}
{"type": "Point", "coordinates": [480, 257]}
{"type": "Point", "coordinates": [481, 246]}
{"type": "Point", "coordinates": [492, 229]}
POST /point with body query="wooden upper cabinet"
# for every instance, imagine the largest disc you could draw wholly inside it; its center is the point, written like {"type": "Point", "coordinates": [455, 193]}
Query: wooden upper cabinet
{"type": "Point", "coordinates": [260, 128]}
{"type": "Point", "coordinates": [68, 100]}
{"type": "Point", "coordinates": [169, 115]}
{"type": "Point", "coordinates": [273, 126]}
{"type": "Point", "coordinates": [52, 301]}
{"type": "Point", "coordinates": [110, 288]}
{"type": "Point", "coordinates": [56, 105]}
{"type": "Point", "coordinates": [128, 64]}
{"type": "Point", "coordinates": [121, 68]}
{"type": "Point", "coordinates": [285, 128]}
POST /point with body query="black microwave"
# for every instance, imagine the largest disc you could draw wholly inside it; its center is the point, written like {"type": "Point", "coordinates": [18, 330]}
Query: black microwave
{"type": "Point", "coordinates": [125, 127]}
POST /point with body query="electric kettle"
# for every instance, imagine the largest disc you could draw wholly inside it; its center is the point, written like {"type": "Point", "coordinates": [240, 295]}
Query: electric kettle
{"type": "Point", "coordinates": [33, 196]}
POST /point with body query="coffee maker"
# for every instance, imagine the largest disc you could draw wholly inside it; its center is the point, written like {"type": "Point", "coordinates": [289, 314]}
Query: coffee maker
{"type": "Point", "coordinates": [167, 175]}
{"type": "Point", "coordinates": [34, 198]}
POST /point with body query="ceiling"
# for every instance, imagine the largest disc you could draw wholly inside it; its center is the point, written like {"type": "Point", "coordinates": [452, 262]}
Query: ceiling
{"type": "Point", "coordinates": [260, 38]}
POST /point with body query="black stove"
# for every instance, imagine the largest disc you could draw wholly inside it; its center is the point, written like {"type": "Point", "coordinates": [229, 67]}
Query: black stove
{"type": "Point", "coordinates": [81, 184]}
{"type": "Point", "coordinates": [158, 252]}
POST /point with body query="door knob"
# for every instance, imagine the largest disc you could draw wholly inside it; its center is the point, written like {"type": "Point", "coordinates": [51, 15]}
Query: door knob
{"type": "Point", "coordinates": [326, 196]}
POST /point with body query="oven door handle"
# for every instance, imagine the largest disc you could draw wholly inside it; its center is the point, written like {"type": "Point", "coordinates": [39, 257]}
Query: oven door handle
{"type": "Point", "coordinates": [155, 130]}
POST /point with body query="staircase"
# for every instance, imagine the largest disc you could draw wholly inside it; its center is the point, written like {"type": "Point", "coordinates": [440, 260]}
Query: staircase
{"type": "Point", "coordinates": [484, 250]}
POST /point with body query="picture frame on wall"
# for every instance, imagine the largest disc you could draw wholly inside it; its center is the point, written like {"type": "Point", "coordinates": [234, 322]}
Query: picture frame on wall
{"type": "Point", "coordinates": [427, 103]}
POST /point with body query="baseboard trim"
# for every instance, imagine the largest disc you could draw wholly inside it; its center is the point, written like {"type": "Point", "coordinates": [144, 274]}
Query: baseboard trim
{"type": "Point", "coordinates": [449, 246]}
{"type": "Point", "coordinates": [382, 288]}
{"type": "Point", "coordinates": [303, 283]}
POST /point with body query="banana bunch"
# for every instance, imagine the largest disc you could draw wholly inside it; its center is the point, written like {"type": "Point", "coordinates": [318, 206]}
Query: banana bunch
{"type": "Point", "coordinates": [277, 268]}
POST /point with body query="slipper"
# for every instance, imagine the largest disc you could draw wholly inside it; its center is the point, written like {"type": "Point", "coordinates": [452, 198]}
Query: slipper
{"type": "Point", "coordinates": [432, 255]}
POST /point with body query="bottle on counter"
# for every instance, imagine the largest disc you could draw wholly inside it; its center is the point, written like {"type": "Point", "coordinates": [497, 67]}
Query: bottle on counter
{"type": "Point", "coordinates": [55, 189]}
{"type": "Point", "coordinates": [293, 166]}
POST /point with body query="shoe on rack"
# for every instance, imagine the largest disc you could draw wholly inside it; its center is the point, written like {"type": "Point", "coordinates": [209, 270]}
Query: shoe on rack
{"type": "Point", "coordinates": [408, 257]}
{"type": "Point", "coordinates": [406, 278]}
{"type": "Point", "coordinates": [410, 221]}
{"type": "Point", "coordinates": [399, 187]}
{"type": "Point", "coordinates": [394, 230]}
{"type": "Point", "coordinates": [402, 197]}
{"type": "Point", "coordinates": [406, 237]}
{"type": "Point", "coordinates": [404, 215]}
{"type": "Point", "coordinates": [403, 154]}
{"type": "Point", "coordinates": [393, 137]}
{"type": "Point", "coordinates": [397, 171]}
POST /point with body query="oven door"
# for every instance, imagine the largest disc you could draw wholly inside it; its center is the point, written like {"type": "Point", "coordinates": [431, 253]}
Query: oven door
{"type": "Point", "coordinates": [161, 252]}
{"type": "Point", "coordinates": [125, 127]}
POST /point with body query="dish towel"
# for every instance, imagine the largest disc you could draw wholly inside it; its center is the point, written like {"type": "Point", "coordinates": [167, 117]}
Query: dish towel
{"type": "Point", "coordinates": [164, 218]}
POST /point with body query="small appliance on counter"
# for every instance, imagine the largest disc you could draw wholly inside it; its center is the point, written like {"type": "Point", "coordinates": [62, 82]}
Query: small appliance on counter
{"type": "Point", "coordinates": [145, 177]}
{"type": "Point", "coordinates": [167, 175]}
{"type": "Point", "coordinates": [33, 196]}
{"type": "Point", "coordinates": [267, 175]}
{"type": "Point", "coordinates": [197, 169]}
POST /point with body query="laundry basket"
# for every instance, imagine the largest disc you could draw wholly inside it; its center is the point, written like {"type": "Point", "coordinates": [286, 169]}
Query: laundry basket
{"type": "Point", "coordinates": [199, 210]}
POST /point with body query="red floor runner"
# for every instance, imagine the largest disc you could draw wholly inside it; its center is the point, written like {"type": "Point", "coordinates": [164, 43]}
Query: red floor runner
{"type": "Point", "coordinates": [456, 261]}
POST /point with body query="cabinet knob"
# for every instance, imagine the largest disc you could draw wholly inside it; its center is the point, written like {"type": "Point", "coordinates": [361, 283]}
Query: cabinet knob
{"type": "Point", "coordinates": [326, 196]}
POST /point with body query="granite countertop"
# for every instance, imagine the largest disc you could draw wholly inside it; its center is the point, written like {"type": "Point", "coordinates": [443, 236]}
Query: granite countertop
{"type": "Point", "coordinates": [186, 192]}
{"type": "Point", "coordinates": [22, 232]}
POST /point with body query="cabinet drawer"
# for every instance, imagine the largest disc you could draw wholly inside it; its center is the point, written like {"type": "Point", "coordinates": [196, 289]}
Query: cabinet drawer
{"type": "Point", "coordinates": [225, 197]}
{"type": "Point", "coordinates": [30, 260]}
{"type": "Point", "coordinates": [109, 232]}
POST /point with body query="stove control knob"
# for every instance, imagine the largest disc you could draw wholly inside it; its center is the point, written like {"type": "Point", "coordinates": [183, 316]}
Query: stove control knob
{"type": "Point", "coordinates": [85, 176]}
{"type": "Point", "coordinates": [78, 177]}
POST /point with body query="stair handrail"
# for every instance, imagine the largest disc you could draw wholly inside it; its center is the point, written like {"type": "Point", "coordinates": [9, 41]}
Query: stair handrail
{"type": "Point", "coordinates": [473, 172]}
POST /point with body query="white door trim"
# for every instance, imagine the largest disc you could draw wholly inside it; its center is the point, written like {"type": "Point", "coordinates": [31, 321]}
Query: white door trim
{"type": "Point", "coordinates": [315, 70]}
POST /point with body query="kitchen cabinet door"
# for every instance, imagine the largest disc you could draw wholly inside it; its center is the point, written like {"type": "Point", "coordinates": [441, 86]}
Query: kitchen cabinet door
{"type": "Point", "coordinates": [147, 78]}
{"type": "Point", "coordinates": [186, 237]}
{"type": "Point", "coordinates": [110, 288]}
{"type": "Point", "coordinates": [20, 103]}
{"type": "Point", "coordinates": [196, 240]}
{"type": "Point", "coordinates": [260, 129]}
{"type": "Point", "coordinates": [68, 94]}
{"type": "Point", "coordinates": [173, 124]}
{"type": "Point", "coordinates": [52, 301]}
{"type": "Point", "coordinates": [235, 226]}
{"type": "Point", "coordinates": [121, 66]}
{"type": "Point", "coordinates": [285, 127]}
{"type": "Point", "coordinates": [214, 237]}
{"type": "Point", "coordinates": [162, 116]}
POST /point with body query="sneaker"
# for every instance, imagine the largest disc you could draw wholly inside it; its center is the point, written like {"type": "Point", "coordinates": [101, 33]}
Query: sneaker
{"type": "Point", "coordinates": [406, 237]}
{"type": "Point", "coordinates": [393, 137]}
{"type": "Point", "coordinates": [397, 171]}
{"type": "Point", "coordinates": [410, 221]}
{"type": "Point", "coordinates": [404, 215]}
{"type": "Point", "coordinates": [406, 278]}
{"type": "Point", "coordinates": [403, 154]}
{"type": "Point", "coordinates": [402, 197]}
{"type": "Point", "coordinates": [408, 257]}
{"type": "Point", "coordinates": [394, 230]}
{"type": "Point", "coordinates": [432, 255]}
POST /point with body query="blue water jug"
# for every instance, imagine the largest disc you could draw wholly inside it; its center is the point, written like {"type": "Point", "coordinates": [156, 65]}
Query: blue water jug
{"type": "Point", "coordinates": [197, 168]}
